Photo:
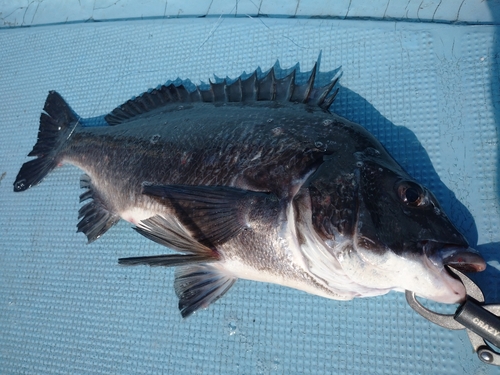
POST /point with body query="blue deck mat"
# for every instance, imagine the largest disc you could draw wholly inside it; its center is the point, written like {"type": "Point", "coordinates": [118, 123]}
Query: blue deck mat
{"type": "Point", "coordinates": [429, 92]}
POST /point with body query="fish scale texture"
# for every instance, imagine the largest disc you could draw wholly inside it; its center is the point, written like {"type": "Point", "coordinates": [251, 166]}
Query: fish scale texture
{"type": "Point", "coordinates": [430, 93]}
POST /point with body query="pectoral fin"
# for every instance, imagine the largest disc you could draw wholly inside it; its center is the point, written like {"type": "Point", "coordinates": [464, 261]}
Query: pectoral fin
{"type": "Point", "coordinates": [212, 214]}
{"type": "Point", "coordinates": [167, 232]}
{"type": "Point", "coordinates": [165, 260]}
{"type": "Point", "coordinates": [203, 218]}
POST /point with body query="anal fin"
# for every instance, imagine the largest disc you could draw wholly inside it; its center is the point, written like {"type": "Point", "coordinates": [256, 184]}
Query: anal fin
{"type": "Point", "coordinates": [95, 217]}
{"type": "Point", "coordinates": [199, 285]}
{"type": "Point", "coordinates": [199, 280]}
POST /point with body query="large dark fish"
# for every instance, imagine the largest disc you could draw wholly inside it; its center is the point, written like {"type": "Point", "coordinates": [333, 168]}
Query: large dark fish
{"type": "Point", "coordinates": [257, 180]}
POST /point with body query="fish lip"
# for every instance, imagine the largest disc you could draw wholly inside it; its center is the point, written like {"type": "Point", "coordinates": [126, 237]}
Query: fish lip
{"type": "Point", "coordinates": [461, 257]}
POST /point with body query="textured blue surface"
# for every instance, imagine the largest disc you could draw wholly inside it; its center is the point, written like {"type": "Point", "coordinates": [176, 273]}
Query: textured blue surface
{"type": "Point", "coordinates": [15, 13]}
{"type": "Point", "coordinates": [430, 93]}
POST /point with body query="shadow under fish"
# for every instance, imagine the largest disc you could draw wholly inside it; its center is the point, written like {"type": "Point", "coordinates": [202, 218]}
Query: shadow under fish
{"type": "Point", "coordinates": [255, 178]}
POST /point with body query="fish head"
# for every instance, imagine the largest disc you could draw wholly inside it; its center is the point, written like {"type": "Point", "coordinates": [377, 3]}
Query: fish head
{"type": "Point", "coordinates": [402, 238]}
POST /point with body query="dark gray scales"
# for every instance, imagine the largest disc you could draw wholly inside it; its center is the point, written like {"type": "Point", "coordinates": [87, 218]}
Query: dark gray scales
{"type": "Point", "coordinates": [154, 149]}
{"type": "Point", "coordinates": [96, 217]}
{"type": "Point", "coordinates": [254, 178]}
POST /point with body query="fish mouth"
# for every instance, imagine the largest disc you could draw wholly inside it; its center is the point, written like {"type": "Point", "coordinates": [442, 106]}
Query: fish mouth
{"type": "Point", "coordinates": [463, 258]}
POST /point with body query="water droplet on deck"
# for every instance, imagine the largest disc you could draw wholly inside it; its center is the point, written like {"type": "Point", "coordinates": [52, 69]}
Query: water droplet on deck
{"type": "Point", "coordinates": [233, 329]}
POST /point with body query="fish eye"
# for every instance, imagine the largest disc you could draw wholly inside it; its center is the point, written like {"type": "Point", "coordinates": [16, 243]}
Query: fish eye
{"type": "Point", "coordinates": [411, 194]}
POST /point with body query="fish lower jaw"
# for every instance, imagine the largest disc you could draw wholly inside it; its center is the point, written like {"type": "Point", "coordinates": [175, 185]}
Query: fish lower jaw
{"type": "Point", "coordinates": [431, 283]}
{"type": "Point", "coordinates": [376, 271]}
{"type": "Point", "coordinates": [447, 288]}
{"type": "Point", "coordinates": [454, 293]}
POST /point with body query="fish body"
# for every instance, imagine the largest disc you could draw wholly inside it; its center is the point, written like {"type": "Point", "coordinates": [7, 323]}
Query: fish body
{"type": "Point", "coordinates": [257, 180]}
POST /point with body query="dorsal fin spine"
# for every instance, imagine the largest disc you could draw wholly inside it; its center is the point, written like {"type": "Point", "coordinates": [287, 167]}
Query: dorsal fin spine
{"type": "Point", "coordinates": [182, 93]}
{"type": "Point", "coordinates": [249, 88]}
{"type": "Point", "coordinates": [172, 92]}
{"type": "Point", "coordinates": [291, 86]}
{"type": "Point", "coordinates": [234, 92]}
{"type": "Point", "coordinates": [325, 91]}
{"type": "Point", "coordinates": [329, 100]}
{"type": "Point", "coordinates": [195, 95]}
{"type": "Point", "coordinates": [310, 83]}
{"type": "Point", "coordinates": [252, 88]}
{"type": "Point", "coordinates": [207, 95]}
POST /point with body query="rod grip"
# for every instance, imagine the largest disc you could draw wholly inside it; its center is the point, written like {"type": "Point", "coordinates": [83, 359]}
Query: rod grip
{"type": "Point", "coordinates": [471, 315]}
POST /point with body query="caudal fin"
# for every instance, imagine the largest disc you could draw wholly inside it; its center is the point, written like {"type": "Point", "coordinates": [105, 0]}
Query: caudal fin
{"type": "Point", "coordinates": [56, 123]}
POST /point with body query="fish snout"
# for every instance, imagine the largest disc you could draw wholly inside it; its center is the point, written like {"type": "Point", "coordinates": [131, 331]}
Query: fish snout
{"type": "Point", "coordinates": [464, 259]}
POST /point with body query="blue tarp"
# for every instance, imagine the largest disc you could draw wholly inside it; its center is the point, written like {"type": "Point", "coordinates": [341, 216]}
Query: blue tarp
{"type": "Point", "coordinates": [429, 92]}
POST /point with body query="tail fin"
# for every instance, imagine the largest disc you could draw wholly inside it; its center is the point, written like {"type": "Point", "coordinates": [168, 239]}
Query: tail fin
{"type": "Point", "coordinates": [56, 123]}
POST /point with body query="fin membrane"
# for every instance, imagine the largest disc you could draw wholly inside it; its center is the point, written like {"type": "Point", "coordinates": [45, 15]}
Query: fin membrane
{"type": "Point", "coordinates": [95, 217]}
{"type": "Point", "coordinates": [55, 127]}
{"type": "Point", "coordinates": [166, 260]}
{"type": "Point", "coordinates": [199, 285]}
{"type": "Point", "coordinates": [249, 89]}
{"type": "Point", "coordinates": [169, 233]}
{"type": "Point", "coordinates": [212, 214]}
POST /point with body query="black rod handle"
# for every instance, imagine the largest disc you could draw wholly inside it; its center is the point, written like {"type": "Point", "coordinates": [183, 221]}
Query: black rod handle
{"type": "Point", "coordinates": [479, 320]}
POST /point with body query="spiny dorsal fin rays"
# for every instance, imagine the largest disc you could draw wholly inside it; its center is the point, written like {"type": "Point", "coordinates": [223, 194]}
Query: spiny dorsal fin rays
{"type": "Point", "coordinates": [322, 99]}
{"type": "Point", "coordinates": [196, 95]}
{"type": "Point", "coordinates": [182, 94]}
{"type": "Point", "coordinates": [233, 91]}
{"type": "Point", "coordinates": [206, 95]}
{"type": "Point", "coordinates": [249, 88]}
{"type": "Point", "coordinates": [301, 93]}
{"type": "Point", "coordinates": [285, 87]}
{"type": "Point", "coordinates": [218, 91]}
{"type": "Point", "coordinates": [267, 87]}
{"type": "Point", "coordinates": [329, 100]}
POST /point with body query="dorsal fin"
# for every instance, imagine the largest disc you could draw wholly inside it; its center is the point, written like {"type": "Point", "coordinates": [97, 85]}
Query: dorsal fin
{"type": "Point", "coordinates": [267, 87]}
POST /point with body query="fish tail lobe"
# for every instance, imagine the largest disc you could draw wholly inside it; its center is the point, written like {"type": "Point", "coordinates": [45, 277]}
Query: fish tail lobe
{"type": "Point", "coordinates": [57, 123]}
